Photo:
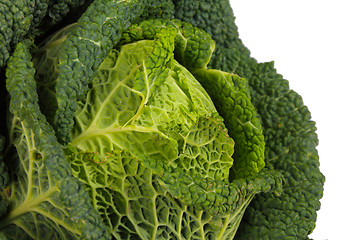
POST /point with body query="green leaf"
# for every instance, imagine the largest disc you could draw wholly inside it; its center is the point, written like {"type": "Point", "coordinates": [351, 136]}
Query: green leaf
{"type": "Point", "coordinates": [136, 203]}
{"type": "Point", "coordinates": [231, 96]}
{"type": "Point", "coordinates": [289, 132]}
{"type": "Point", "coordinates": [15, 20]}
{"type": "Point", "coordinates": [45, 200]}
{"type": "Point", "coordinates": [120, 93]}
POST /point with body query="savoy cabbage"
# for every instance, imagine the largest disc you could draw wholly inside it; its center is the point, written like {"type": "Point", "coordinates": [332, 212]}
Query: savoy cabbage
{"type": "Point", "coordinates": [132, 123]}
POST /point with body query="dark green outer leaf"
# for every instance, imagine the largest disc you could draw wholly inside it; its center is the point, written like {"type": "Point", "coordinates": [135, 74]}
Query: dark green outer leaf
{"type": "Point", "coordinates": [15, 20]}
{"type": "Point", "coordinates": [217, 19]}
{"type": "Point", "coordinates": [45, 201]}
{"type": "Point", "coordinates": [289, 132]}
{"type": "Point", "coordinates": [31, 18]}
{"type": "Point", "coordinates": [291, 142]}
{"type": "Point", "coordinates": [59, 9]}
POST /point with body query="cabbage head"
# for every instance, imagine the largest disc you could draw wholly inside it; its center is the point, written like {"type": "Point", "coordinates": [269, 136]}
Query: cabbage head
{"type": "Point", "coordinates": [164, 147]}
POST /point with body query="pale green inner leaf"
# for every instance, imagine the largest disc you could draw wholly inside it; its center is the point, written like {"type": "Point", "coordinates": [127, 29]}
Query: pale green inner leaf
{"type": "Point", "coordinates": [154, 112]}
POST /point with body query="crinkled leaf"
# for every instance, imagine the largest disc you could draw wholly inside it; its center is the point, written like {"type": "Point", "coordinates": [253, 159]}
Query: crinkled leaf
{"type": "Point", "coordinates": [231, 96]}
{"type": "Point", "coordinates": [45, 201]}
{"type": "Point", "coordinates": [290, 134]}
{"type": "Point", "coordinates": [15, 21]}
{"type": "Point", "coordinates": [135, 205]}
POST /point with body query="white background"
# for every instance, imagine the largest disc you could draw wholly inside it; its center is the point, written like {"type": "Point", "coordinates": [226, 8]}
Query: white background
{"type": "Point", "coordinates": [316, 46]}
